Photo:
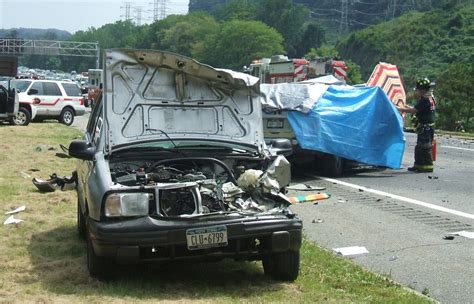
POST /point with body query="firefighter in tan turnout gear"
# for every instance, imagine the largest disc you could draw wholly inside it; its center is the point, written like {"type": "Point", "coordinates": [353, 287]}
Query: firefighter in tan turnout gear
{"type": "Point", "coordinates": [424, 111]}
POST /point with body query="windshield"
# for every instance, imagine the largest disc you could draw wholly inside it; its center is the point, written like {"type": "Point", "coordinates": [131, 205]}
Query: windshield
{"type": "Point", "coordinates": [20, 85]}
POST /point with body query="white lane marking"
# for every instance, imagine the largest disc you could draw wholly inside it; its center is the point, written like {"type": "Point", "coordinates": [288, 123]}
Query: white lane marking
{"type": "Point", "coordinates": [400, 198]}
{"type": "Point", "coordinates": [457, 148]}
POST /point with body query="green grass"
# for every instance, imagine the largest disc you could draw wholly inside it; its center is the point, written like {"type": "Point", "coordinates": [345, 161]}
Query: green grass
{"type": "Point", "coordinates": [43, 259]}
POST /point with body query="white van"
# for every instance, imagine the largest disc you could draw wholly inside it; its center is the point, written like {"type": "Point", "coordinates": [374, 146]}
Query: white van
{"type": "Point", "coordinates": [61, 100]}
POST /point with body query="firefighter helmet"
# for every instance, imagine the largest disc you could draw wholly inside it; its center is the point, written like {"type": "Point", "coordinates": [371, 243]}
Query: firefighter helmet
{"type": "Point", "coordinates": [423, 84]}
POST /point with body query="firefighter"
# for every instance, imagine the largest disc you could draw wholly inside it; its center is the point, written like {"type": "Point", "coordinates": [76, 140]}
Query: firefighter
{"type": "Point", "coordinates": [424, 111]}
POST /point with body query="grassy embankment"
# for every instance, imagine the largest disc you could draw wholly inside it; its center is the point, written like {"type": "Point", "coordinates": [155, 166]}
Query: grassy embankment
{"type": "Point", "coordinates": [43, 259]}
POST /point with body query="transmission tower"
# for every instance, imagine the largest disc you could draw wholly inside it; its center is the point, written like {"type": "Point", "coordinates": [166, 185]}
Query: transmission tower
{"type": "Point", "coordinates": [160, 9]}
{"type": "Point", "coordinates": [138, 15]}
{"type": "Point", "coordinates": [343, 24]}
{"type": "Point", "coordinates": [127, 7]}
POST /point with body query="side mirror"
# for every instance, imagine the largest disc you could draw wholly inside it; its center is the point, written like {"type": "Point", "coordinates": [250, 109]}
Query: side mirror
{"type": "Point", "coordinates": [281, 146]}
{"type": "Point", "coordinates": [80, 149]}
{"type": "Point", "coordinates": [32, 92]}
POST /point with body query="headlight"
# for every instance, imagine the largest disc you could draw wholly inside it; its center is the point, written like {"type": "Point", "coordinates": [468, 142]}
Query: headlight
{"type": "Point", "coordinates": [126, 204]}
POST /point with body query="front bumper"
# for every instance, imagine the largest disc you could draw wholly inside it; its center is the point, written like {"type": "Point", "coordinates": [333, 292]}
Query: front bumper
{"type": "Point", "coordinates": [148, 239]}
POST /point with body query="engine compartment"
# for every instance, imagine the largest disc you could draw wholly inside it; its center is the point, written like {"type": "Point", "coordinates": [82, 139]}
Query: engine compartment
{"type": "Point", "coordinates": [202, 185]}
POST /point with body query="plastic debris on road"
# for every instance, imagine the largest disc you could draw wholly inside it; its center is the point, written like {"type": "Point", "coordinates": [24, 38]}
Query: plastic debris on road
{"type": "Point", "coordinates": [305, 187]}
{"type": "Point", "coordinates": [19, 209]}
{"type": "Point", "coordinates": [12, 220]}
{"type": "Point", "coordinates": [351, 251]}
{"type": "Point", "coordinates": [309, 198]}
{"type": "Point", "coordinates": [466, 234]}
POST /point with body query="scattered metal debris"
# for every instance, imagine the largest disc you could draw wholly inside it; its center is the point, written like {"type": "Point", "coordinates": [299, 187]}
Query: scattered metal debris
{"type": "Point", "coordinates": [466, 234]}
{"type": "Point", "coordinates": [12, 220]}
{"type": "Point", "coordinates": [25, 175]}
{"type": "Point", "coordinates": [351, 251]}
{"type": "Point", "coordinates": [56, 183]}
{"type": "Point", "coordinates": [317, 221]}
{"type": "Point", "coordinates": [19, 209]}
{"type": "Point", "coordinates": [305, 187]}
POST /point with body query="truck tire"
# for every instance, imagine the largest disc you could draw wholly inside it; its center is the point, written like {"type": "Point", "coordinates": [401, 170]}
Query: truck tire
{"type": "Point", "coordinates": [21, 118]}
{"type": "Point", "coordinates": [283, 266]}
{"type": "Point", "coordinates": [332, 165]}
{"type": "Point", "coordinates": [67, 116]}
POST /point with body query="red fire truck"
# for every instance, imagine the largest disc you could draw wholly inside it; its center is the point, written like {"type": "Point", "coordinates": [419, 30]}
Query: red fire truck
{"type": "Point", "coordinates": [281, 69]}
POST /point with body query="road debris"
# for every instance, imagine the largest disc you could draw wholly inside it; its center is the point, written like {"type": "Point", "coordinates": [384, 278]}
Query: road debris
{"type": "Point", "coordinates": [19, 209]}
{"type": "Point", "coordinates": [12, 220]}
{"type": "Point", "coordinates": [351, 251]}
{"type": "Point", "coordinates": [309, 198]}
{"type": "Point", "coordinates": [392, 258]}
{"type": "Point", "coordinates": [305, 187]}
{"type": "Point", "coordinates": [341, 201]}
{"type": "Point", "coordinates": [25, 175]}
{"type": "Point", "coordinates": [317, 221]}
{"type": "Point", "coordinates": [448, 237]}
{"type": "Point", "coordinates": [432, 177]}
{"type": "Point", "coordinates": [466, 234]}
{"type": "Point", "coordinates": [56, 183]}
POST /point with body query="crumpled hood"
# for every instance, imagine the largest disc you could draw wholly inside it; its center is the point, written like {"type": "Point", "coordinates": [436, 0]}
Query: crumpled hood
{"type": "Point", "coordinates": [149, 92]}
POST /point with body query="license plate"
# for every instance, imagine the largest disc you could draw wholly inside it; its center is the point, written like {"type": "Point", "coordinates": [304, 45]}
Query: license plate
{"type": "Point", "coordinates": [206, 237]}
{"type": "Point", "coordinates": [275, 123]}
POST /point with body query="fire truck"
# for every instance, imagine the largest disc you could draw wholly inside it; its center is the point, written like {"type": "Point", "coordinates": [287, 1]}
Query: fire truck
{"type": "Point", "coordinates": [281, 69]}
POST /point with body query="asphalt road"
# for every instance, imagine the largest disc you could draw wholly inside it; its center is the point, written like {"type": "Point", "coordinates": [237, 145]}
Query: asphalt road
{"type": "Point", "coordinates": [401, 218]}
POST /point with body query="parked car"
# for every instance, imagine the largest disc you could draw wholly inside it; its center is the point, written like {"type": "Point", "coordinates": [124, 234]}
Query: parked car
{"type": "Point", "coordinates": [175, 167]}
{"type": "Point", "coordinates": [61, 100]}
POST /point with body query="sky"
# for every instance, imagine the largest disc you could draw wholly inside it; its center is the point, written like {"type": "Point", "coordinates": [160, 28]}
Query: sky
{"type": "Point", "coordinates": [75, 15]}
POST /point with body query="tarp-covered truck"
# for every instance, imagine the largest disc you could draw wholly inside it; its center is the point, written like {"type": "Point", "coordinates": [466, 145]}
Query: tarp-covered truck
{"type": "Point", "coordinates": [8, 97]}
{"type": "Point", "coordinates": [328, 122]}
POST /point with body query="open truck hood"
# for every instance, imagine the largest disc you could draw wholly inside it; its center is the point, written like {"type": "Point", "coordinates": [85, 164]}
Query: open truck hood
{"type": "Point", "coordinates": [150, 93]}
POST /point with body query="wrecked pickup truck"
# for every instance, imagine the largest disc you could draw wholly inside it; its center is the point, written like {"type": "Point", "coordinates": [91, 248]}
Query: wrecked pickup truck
{"type": "Point", "coordinates": [173, 166]}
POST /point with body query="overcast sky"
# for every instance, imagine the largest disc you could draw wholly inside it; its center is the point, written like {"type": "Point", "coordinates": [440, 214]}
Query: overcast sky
{"type": "Point", "coordinates": [75, 15]}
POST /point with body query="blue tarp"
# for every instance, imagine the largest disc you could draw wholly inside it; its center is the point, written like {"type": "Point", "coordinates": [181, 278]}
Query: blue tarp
{"type": "Point", "coordinates": [360, 124]}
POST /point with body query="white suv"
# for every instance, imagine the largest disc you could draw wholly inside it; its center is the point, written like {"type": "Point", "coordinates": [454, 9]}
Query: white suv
{"type": "Point", "coordinates": [52, 99]}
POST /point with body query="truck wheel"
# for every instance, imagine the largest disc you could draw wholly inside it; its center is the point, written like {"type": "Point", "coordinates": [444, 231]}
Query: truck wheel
{"type": "Point", "coordinates": [332, 165]}
{"type": "Point", "coordinates": [67, 116]}
{"type": "Point", "coordinates": [81, 222]}
{"type": "Point", "coordinates": [21, 118]}
{"type": "Point", "coordinates": [283, 266]}
{"type": "Point", "coordinates": [98, 267]}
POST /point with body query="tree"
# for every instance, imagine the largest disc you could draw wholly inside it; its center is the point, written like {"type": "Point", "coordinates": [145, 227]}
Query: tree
{"type": "Point", "coordinates": [238, 43]}
{"type": "Point", "coordinates": [313, 37]}
{"type": "Point", "coordinates": [286, 18]}
{"type": "Point", "coordinates": [236, 9]}
{"type": "Point", "coordinates": [454, 95]}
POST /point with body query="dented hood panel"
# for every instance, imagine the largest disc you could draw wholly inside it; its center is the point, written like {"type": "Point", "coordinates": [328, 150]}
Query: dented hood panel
{"type": "Point", "coordinates": [150, 92]}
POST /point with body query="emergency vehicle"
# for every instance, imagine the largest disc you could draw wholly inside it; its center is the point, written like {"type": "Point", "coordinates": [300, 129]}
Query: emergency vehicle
{"type": "Point", "coordinates": [281, 69]}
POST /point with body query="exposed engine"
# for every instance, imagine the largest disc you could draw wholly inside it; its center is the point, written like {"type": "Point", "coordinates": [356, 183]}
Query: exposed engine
{"type": "Point", "coordinates": [192, 186]}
